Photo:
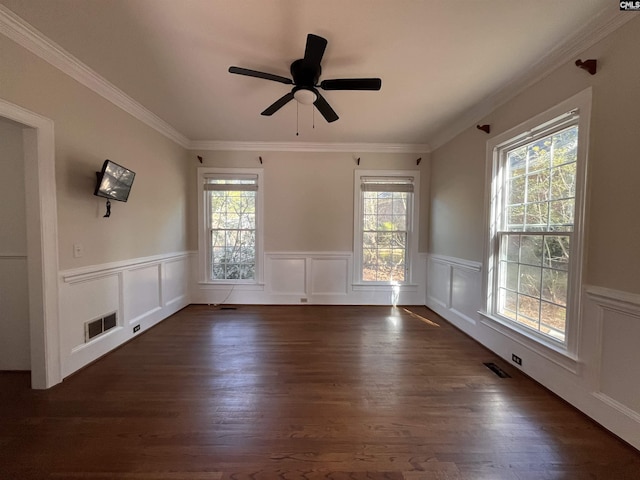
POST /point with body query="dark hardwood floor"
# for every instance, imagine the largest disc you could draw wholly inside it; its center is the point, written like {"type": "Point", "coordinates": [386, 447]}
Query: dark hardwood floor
{"type": "Point", "coordinates": [301, 392]}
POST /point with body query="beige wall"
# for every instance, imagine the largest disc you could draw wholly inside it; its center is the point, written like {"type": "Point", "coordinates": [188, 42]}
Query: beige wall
{"type": "Point", "coordinates": [309, 196]}
{"type": "Point", "coordinates": [457, 189]}
{"type": "Point", "coordinates": [88, 130]}
{"type": "Point", "coordinates": [13, 234]}
{"type": "Point", "coordinates": [613, 228]}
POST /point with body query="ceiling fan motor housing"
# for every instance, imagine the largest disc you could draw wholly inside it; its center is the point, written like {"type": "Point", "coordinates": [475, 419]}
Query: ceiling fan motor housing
{"type": "Point", "coordinates": [305, 74]}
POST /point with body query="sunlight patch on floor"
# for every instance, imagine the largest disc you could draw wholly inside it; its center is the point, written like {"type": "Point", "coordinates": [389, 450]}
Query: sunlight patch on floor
{"type": "Point", "coordinates": [421, 318]}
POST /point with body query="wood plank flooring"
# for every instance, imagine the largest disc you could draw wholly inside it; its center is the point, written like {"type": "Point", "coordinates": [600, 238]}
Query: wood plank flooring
{"type": "Point", "coordinates": [301, 392]}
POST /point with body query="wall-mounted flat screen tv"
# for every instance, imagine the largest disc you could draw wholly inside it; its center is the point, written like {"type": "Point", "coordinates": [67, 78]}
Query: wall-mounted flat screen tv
{"type": "Point", "coordinates": [114, 181]}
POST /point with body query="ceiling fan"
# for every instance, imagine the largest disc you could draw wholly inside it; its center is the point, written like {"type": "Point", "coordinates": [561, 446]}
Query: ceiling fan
{"type": "Point", "coordinates": [306, 73]}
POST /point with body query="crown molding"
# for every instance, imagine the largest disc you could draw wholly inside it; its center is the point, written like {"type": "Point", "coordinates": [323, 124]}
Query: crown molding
{"type": "Point", "coordinates": [213, 145]}
{"type": "Point", "coordinates": [15, 28]}
{"type": "Point", "coordinates": [603, 25]}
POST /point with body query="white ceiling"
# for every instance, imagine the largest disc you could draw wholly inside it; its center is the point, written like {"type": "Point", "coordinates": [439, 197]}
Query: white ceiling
{"type": "Point", "coordinates": [437, 58]}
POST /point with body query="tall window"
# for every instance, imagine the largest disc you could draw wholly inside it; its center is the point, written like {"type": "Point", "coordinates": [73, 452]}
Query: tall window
{"type": "Point", "coordinates": [385, 226]}
{"type": "Point", "coordinates": [230, 226]}
{"type": "Point", "coordinates": [536, 182]}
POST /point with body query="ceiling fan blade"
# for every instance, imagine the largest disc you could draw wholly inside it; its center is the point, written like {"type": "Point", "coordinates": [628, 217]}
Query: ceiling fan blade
{"type": "Point", "coordinates": [314, 50]}
{"type": "Point", "coordinates": [255, 73]}
{"type": "Point", "coordinates": [325, 109]}
{"type": "Point", "coordinates": [352, 84]}
{"type": "Point", "coordinates": [278, 104]}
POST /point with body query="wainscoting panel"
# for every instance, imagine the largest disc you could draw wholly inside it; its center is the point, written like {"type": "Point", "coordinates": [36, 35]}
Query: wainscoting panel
{"type": "Point", "coordinates": [455, 285]}
{"type": "Point", "coordinates": [617, 316]}
{"type": "Point", "coordinates": [86, 300]}
{"type": "Point", "coordinates": [287, 274]}
{"type": "Point", "coordinates": [175, 281]}
{"type": "Point", "coordinates": [466, 285]}
{"type": "Point", "coordinates": [142, 292]}
{"type": "Point", "coordinates": [329, 275]}
{"type": "Point", "coordinates": [620, 348]}
{"type": "Point", "coordinates": [439, 282]}
{"type": "Point", "coordinates": [146, 281]}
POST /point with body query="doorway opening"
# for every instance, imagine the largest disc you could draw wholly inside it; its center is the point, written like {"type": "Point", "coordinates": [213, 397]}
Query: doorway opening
{"type": "Point", "coordinates": [41, 224]}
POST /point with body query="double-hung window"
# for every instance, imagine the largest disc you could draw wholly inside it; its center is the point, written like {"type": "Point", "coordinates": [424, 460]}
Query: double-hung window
{"type": "Point", "coordinates": [385, 234]}
{"type": "Point", "coordinates": [535, 241]}
{"type": "Point", "coordinates": [230, 237]}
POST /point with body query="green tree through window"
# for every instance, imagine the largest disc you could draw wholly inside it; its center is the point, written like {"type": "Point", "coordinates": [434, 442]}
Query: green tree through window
{"type": "Point", "coordinates": [232, 227]}
{"type": "Point", "coordinates": [384, 239]}
{"type": "Point", "coordinates": [385, 222]}
{"type": "Point", "coordinates": [535, 234]}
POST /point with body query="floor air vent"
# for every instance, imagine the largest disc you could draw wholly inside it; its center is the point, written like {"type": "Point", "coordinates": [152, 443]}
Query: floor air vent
{"type": "Point", "coordinates": [497, 370]}
{"type": "Point", "coordinates": [98, 326]}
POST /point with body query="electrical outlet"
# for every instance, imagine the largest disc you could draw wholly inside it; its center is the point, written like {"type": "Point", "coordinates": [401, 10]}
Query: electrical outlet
{"type": "Point", "coordinates": [136, 328]}
{"type": "Point", "coordinates": [78, 250]}
{"type": "Point", "coordinates": [516, 359]}
{"type": "Point", "coordinates": [303, 300]}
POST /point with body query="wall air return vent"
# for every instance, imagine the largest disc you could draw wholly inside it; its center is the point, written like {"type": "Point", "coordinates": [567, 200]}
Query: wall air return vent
{"type": "Point", "coordinates": [99, 326]}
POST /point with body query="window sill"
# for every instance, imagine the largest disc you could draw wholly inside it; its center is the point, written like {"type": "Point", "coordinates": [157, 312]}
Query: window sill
{"type": "Point", "coordinates": [235, 285]}
{"type": "Point", "coordinates": [548, 349]}
{"type": "Point", "coordinates": [409, 287]}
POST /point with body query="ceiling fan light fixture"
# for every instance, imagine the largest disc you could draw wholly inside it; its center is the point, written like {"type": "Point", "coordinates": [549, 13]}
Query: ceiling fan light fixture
{"type": "Point", "coordinates": [305, 96]}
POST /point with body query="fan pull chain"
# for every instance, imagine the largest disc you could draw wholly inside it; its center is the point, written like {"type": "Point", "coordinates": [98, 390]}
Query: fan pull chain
{"type": "Point", "coordinates": [297, 119]}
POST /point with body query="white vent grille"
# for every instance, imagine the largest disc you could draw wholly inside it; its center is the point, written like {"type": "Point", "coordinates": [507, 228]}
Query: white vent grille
{"type": "Point", "coordinates": [99, 326]}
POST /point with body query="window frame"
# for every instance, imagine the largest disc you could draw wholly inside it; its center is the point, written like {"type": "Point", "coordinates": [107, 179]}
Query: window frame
{"type": "Point", "coordinates": [204, 248]}
{"type": "Point", "coordinates": [413, 211]}
{"type": "Point", "coordinates": [540, 125]}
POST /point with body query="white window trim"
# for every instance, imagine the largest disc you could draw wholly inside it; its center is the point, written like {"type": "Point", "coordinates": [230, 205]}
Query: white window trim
{"type": "Point", "coordinates": [413, 220]}
{"type": "Point", "coordinates": [565, 354]}
{"type": "Point", "coordinates": [203, 263]}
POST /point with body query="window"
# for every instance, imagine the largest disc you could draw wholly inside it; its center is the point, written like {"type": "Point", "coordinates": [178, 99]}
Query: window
{"type": "Point", "coordinates": [384, 232]}
{"type": "Point", "coordinates": [537, 203]}
{"type": "Point", "coordinates": [230, 236]}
